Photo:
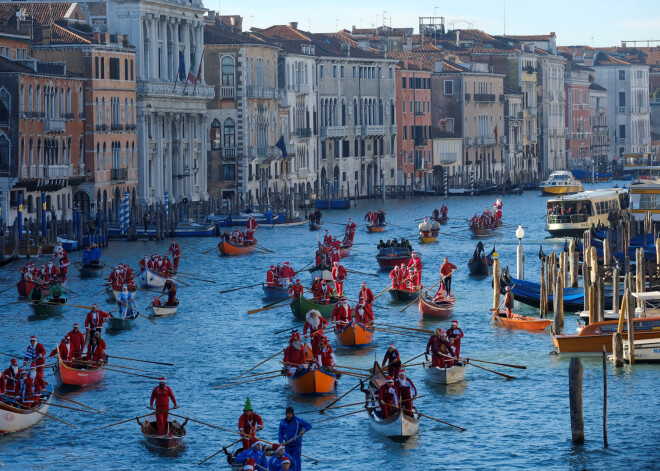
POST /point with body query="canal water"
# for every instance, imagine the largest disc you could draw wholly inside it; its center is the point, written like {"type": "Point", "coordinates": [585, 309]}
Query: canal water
{"type": "Point", "coordinates": [518, 424]}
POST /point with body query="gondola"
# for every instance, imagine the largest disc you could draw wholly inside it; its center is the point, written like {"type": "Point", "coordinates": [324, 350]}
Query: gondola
{"type": "Point", "coordinates": [171, 440]}
{"type": "Point", "coordinates": [315, 226]}
{"type": "Point", "coordinates": [312, 382]}
{"type": "Point", "coordinates": [92, 270]}
{"type": "Point", "coordinates": [164, 310]}
{"type": "Point", "coordinates": [441, 309]}
{"type": "Point", "coordinates": [403, 295]}
{"type": "Point", "coordinates": [484, 231]}
{"type": "Point", "coordinates": [301, 306]}
{"type": "Point", "coordinates": [71, 376]}
{"type": "Point", "coordinates": [376, 228]}
{"type": "Point", "coordinates": [442, 220]}
{"type": "Point", "coordinates": [428, 237]}
{"type": "Point", "coordinates": [49, 306]}
{"type": "Point", "coordinates": [150, 279]}
{"type": "Point", "coordinates": [480, 266]}
{"type": "Point", "coordinates": [322, 272]}
{"type": "Point", "coordinates": [520, 322]}
{"type": "Point", "coordinates": [437, 375]}
{"type": "Point", "coordinates": [354, 334]}
{"type": "Point", "coordinates": [25, 287]}
{"type": "Point", "coordinates": [14, 419]}
{"type": "Point", "coordinates": [229, 248]}
{"type": "Point", "coordinates": [398, 424]}
{"type": "Point", "coordinates": [112, 294]}
{"type": "Point", "coordinates": [274, 293]}
{"type": "Point", "coordinates": [389, 257]}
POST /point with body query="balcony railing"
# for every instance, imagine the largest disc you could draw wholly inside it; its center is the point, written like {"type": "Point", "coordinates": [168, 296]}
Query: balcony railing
{"type": "Point", "coordinates": [373, 130]}
{"type": "Point", "coordinates": [303, 132]}
{"type": "Point", "coordinates": [448, 158]}
{"type": "Point", "coordinates": [264, 152]}
{"type": "Point", "coordinates": [67, 115]}
{"type": "Point", "coordinates": [54, 125]}
{"type": "Point", "coordinates": [393, 129]}
{"type": "Point", "coordinates": [120, 174]}
{"type": "Point", "coordinates": [622, 110]}
{"type": "Point", "coordinates": [468, 142]}
{"type": "Point", "coordinates": [646, 141]}
{"type": "Point", "coordinates": [301, 88]}
{"type": "Point", "coordinates": [227, 92]}
{"type": "Point", "coordinates": [334, 131]}
{"type": "Point", "coordinates": [484, 97]}
{"type": "Point", "coordinates": [116, 127]}
{"type": "Point", "coordinates": [489, 141]}
{"type": "Point", "coordinates": [566, 218]}
{"type": "Point", "coordinates": [56, 171]}
{"type": "Point", "coordinates": [421, 142]}
{"type": "Point", "coordinates": [467, 97]}
{"type": "Point", "coordinates": [167, 89]}
{"type": "Point", "coordinates": [229, 152]}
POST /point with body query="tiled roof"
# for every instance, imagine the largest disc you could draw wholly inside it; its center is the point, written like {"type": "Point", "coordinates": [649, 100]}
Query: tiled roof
{"type": "Point", "coordinates": [596, 86]}
{"type": "Point", "coordinates": [428, 47]}
{"type": "Point", "coordinates": [9, 66]}
{"type": "Point", "coordinates": [531, 37]}
{"type": "Point", "coordinates": [607, 59]}
{"type": "Point", "coordinates": [62, 35]}
{"type": "Point", "coordinates": [285, 32]}
{"type": "Point", "coordinates": [470, 35]}
{"type": "Point", "coordinates": [223, 35]}
{"type": "Point", "coordinates": [42, 13]}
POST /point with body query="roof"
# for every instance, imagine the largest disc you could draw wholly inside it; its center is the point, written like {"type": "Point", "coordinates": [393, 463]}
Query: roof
{"type": "Point", "coordinates": [596, 86]}
{"type": "Point", "coordinates": [6, 29]}
{"type": "Point", "coordinates": [61, 35]}
{"type": "Point", "coordinates": [42, 13]}
{"type": "Point", "coordinates": [285, 32]}
{"type": "Point", "coordinates": [511, 91]}
{"type": "Point", "coordinates": [607, 59]}
{"type": "Point", "coordinates": [223, 35]}
{"type": "Point", "coordinates": [529, 37]}
{"type": "Point", "coordinates": [9, 66]}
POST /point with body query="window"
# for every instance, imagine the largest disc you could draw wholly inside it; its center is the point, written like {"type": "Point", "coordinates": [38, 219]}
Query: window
{"type": "Point", "coordinates": [449, 87]}
{"type": "Point", "coordinates": [321, 71]}
{"type": "Point", "coordinates": [622, 74]}
{"type": "Point", "coordinates": [228, 172]}
{"type": "Point", "coordinates": [404, 106]}
{"type": "Point", "coordinates": [4, 106]}
{"type": "Point", "coordinates": [227, 67]}
{"type": "Point", "coordinates": [622, 131]}
{"type": "Point", "coordinates": [102, 67]}
{"type": "Point", "coordinates": [132, 76]}
{"type": "Point", "coordinates": [96, 67]}
{"type": "Point", "coordinates": [341, 72]}
{"type": "Point", "coordinates": [354, 72]}
{"type": "Point", "coordinates": [4, 153]}
{"type": "Point", "coordinates": [230, 133]}
{"type": "Point", "coordinates": [622, 98]}
{"type": "Point", "coordinates": [216, 132]}
{"type": "Point", "coordinates": [334, 71]}
{"type": "Point", "coordinates": [405, 133]}
{"type": "Point", "coordinates": [125, 69]}
{"type": "Point", "coordinates": [114, 68]}
{"type": "Point", "coordinates": [391, 73]}
{"type": "Point", "coordinates": [403, 83]}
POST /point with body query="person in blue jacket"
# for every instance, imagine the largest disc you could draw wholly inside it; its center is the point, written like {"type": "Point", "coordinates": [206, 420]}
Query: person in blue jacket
{"type": "Point", "coordinates": [95, 253]}
{"type": "Point", "coordinates": [269, 216]}
{"type": "Point", "coordinates": [275, 462]}
{"type": "Point", "coordinates": [256, 454]}
{"type": "Point", "coordinates": [291, 431]}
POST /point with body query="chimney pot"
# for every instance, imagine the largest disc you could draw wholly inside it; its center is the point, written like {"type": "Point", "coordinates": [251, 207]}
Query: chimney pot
{"type": "Point", "coordinates": [293, 24]}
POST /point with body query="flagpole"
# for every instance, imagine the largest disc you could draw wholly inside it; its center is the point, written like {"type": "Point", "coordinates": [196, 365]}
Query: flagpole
{"type": "Point", "coordinates": [199, 69]}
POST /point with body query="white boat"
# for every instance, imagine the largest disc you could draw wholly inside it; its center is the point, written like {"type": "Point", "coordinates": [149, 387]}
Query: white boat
{"type": "Point", "coordinates": [13, 419]}
{"type": "Point", "coordinates": [560, 183]}
{"type": "Point", "coordinates": [646, 350]}
{"type": "Point", "coordinates": [112, 294]}
{"type": "Point", "coordinates": [150, 279]}
{"type": "Point", "coordinates": [645, 195]}
{"type": "Point", "coordinates": [164, 310]}
{"type": "Point", "coordinates": [322, 274]}
{"type": "Point", "coordinates": [571, 215]}
{"type": "Point", "coordinates": [451, 375]}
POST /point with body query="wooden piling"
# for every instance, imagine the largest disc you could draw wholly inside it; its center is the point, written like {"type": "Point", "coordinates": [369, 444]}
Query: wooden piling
{"type": "Point", "coordinates": [631, 328]}
{"type": "Point", "coordinates": [558, 305]}
{"type": "Point", "coordinates": [575, 371]}
{"type": "Point", "coordinates": [615, 290]}
{"type": "Point", "coordinates": [617, 349]}
{"type": "Point", "coordinates": [639, 274]}
{"type": "Point", "coordinates": [591, 297]}
{"type": "Point", "coordinates": [574, 266]}
{"type": "Point", "coordinates": [496, 284]}
{"type": "Point", "coordinates": [543, 301]}
{"type": "Point", "coordinates": [605, 443]}
{"type": "Point", "coordinates": [585, 278]}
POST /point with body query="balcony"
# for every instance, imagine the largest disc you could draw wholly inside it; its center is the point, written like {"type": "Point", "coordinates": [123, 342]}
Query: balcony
{"type": "Point", "coordinates": [334, 132]}
{"type": "Point", "coordinates": [68, 116]}
{"type": "Point", "coordinates": [622, 141]}
{"type": "Point", "coordinates": [646, 141]}
{"type": "Point", "coordinates": [467, 97]}
{"type": "Point", "coordinates": [116, 127]}
{"type": "Point", "coordinates": [419, 113]}
{"type": "Point", "coordinates": [373, 130]}
{"type": "Point", "coordinates": [55, 172]}
{"type": "Point", "coordinates": [561, 96]}
{"type": "Point", "coordinates": [303, 172]}
{"type": "Point", "coordinates": [448, 158]}
{"type": "Point", "coordinates": [229, 152]}
{"type": "Point", "coordinates": [169, 90]}
{"type": "Point", "coordinates": [119, 174]}
{"type": "Point", "coordinates": [484, 97]}
{"type": "Point", "coordinates": [54, 125]}
{"type": "Point", "coordinates": [393, 129]}
{"type": "Point", "coordinates": [303, 133]}
{"type": "Point", "coordinates": [468, 142]}
{"type": "Point", "coordinates": [421, 142]}
{"type": "Point", "coordinates": [227, 92]}
{"type": "Point", "coordinates": [264, 153]}
{"type": "Point", "coordinates": [488, 141]}
{"type": "Point", "coordinates": [533, 111]}
{"type": "Point", "coordinates": [302, 88]}
{"type": "Point", "coordinates": [533, 137]}
{"type": "Point", "coordinates": [504, 140]}
{"type": "Point", "coordinates": [600, 110]}
{"type": "Point", "coordinates": [518, 147]}
{"type": "Point", "coordinates": [622, 110]}
{"type": "Point", "coordinates": [357, 130]}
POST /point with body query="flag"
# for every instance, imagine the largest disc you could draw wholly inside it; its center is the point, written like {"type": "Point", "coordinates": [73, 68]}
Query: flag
{"type": "Point", "coordinates": [192, 78]}
{"type": "Point", "coordinates": [182, 67]}
{"type": "Point", "coordinates": [280, 145]}
{"type": "Point", "coordinates": [608, 135]}
{"type": "Point", "coordinates": [199, 69]}
{"type": "Point", "coordinates": [495, 134]}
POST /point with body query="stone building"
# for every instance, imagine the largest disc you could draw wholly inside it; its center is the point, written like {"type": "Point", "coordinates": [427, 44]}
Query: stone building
{"type": "Point", "coordinates": [578, 123]}
{"type": "Point", "coordinates": [599, 140]}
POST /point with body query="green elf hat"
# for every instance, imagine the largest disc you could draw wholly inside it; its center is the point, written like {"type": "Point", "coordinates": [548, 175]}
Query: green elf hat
{"type": "Point", "coordinates": [248, 405]}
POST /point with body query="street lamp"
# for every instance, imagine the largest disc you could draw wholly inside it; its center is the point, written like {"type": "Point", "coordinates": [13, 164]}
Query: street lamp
{"type": "Point", "coordinates": [520, 233]}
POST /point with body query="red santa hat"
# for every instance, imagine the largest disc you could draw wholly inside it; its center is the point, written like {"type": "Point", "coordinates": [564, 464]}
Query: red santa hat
{"type": "Point", "coordinates": [390, 345]}
{"type": "Point", "coordinates": [33, 337]}
{"type": "Point", "coordinates": [298, 280]}
{"type": "Point", "coordinates": [335, 263]}
{"type": "Point", "coordinates": [272, 266]}
{"type": "Point", "coordinates": [364, 283]}
{"type": "Point", "coordinates": [349, 219]}
{"type": "Point", "coordinates": [14, 362]}
{"type": "Point", "coordinates": [67, 338]}
{"type": "Point", "coordinates": [324, 282]}
{"type": "Point", "coordinates": [389, 379]}
{"type": "Point", "coordinates": [76, 325]}
{"type": "Point", "coordinates": [95, 305]}
{"type": "Point", "coordinates": [33, 366]}
{"type": "Point", "coordinates": [454, 322]}
{"type": "Point", "coordinates": [286, 263]}
{"type": "Point", "coordinates": [277, 447]}
{"type": "Point", "coordinates": [285, 459]}
{"type": "Point", "coordinates": [294, 336]}
{"type": "Point", "coordinates": [413, 254]}
{"type": "Point", "coordinates": [508, 288]}
{"type": "Point", "coordinates": [402, 371]}
{"type": "Point", "coordinates": [161, 379]}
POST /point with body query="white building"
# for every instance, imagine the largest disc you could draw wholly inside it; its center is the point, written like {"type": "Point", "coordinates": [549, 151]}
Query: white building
{"type": "Point", "coordinates": [172, 143]}
{"type": "Point", "coordinates": [553, 112]}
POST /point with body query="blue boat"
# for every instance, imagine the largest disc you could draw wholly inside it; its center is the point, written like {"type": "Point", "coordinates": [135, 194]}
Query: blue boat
{"type": "Point", "coordinates": [343, 203]}
{"type": "Point", "coordinates": [274, 293]}
{"type": "Point", "coordinates": [183, 229]}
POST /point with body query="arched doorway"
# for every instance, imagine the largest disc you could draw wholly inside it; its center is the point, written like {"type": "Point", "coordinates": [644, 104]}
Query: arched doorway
{"type": "Point", "coordinates": [82, 201]}
{"type": "Point", "coordinates": [370, 187]}
{"type": "Point", "coordinates": [336, 183]}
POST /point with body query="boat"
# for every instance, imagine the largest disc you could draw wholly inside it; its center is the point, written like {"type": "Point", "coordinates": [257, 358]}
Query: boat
{"type": "Point", "coordinates": [472, 191]}
{"type": "Point", "coordinates": [437, 375]}
{"type": "Point", "coordinates": [427, 237]}
{"type": "Point", "coordinates": [570, 216]}
{"type": "Point", "coordinates": [49, 306]}
{"type": "Point", "coordinates": [91, 270]}
{"type": "Point", "coordinates": [390, 257]}
{"type": "Point", "coordinates": [122, 323]}
{"type": "Point", "coordinates": [301, 306]}
{"type": "Point", "coordinates": [645, 350]}
{"type": "Point", "coordinates": [592, 338]}
{"type": "Point", "coordinates": [441, 309]}
{"type": "Point", "coordinates": [520, 322]}
{"type": "Point", "coordinates": [442, 219]}
{"type": "Point", "coordinates": [150, 279]}
{"type": "Point", "coordinates": [71, 376]}
{"type": "Point", "coordinates": [313, 226]}
{"type": "Point", "coordinates": [171, 440]}
{"type": "Point", "coordinates": [484, 231]}
{"type": "Point", "coordinates": [25, 287]}
{"type": "Point", "coordinates": [239, 219]}
{"type": "Point", "coordinates": [645, 196]}
{"type": "Point", "coordinates": [561, 182]}
{"type": "Point", "coordinates": [480, 266]}
{"type": "Point", "coordinates": [229, 248]}
{"type": "Point", "coordinates": [14, 419]}
{"type": "Point", "coordinates": [354, 335]}
{"type": "Point", "coordinates": [274, 293]}
{"type": "Point", "coordinates": [276, 224]}
{"type": "Point", "coordinates": [112, 294]}
{"type": "Point", "coordinates": [68, 244]}
{"type": "Point", "coordinates": [396, 425]}
{"type": "Point", "coordinates": [376, 228]}
{"type": "Point", "coordinates": [335, 203]}
{"type": "Point", "coordinates": [403, 295]}
{"type": "Point", "coordinates": [312, 382]}
{"type": "Point", "coordinates": [164, 310]}
{"type": "Point", "coordinates": [322, 273]}
{"type": "Point", "coordinates": [182, 229]}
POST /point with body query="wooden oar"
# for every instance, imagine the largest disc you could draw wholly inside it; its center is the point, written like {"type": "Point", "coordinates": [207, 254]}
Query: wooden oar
{"type": "Point", "coordinates": [16, 302]}
{"type": "Point", "coordinates": [425, 331]}
{"type": "Point", "coordinates": [269, 306]}
{"type": "Point", "coordinates": [396, 332]}
{"type": "Point", "coordinates": [21, 411]}
{"type": "Point", "coordinates": [75, 402]}
{"type": "Point", "coordinates": [5, 290]}
{"type": "Point", "coordinates": [348, 373]}
{"type": "Point", "coordinates": [258, 364]}
{"type": "Point", "coordinates": [437, 420]}
{"type": "Point", "coordinates": [290, 328]}
{"type": "Point", "coordinates": [99, 292]}
{"type": "Point", "coordinates": [134, 369]}
{"type": "Point", "coordinates": [132, 374]}
{"type": "Point", "coordinates": [241, 287]}
{"type": "Point", "coordinates": [361, 273]}
{"type": "Point", "coordinates": [194, 278]}
{"type": "Point", "coordinates": [140, 314]}
{"type": "Point", "coordinates": [400, 227]}
{"type": "Point", "coordinates": [522, 367]}
{"type": "Point", "coordinates": [258, 374]}
{"type": "Point", "coordinates": [122, 422]}
{"type": "Point", "coordinates": [383, 292]}
{"type": "Point", "coordinates": [420, 296]}
{"type": "Point", "coordinates": [304, 267]}
{"type": "Point", "coordinates": [72, 408]}
{"type": "Point", "coordinates": [143, 361]}
{"type": "Point", "coordinates": [221, 449]}
{"type": "Point", "coordinates": [353, 368]}
{"type": "Point", "coordinates": [477, 366]}
{"type": "Point", "coordinates": [264, 248]}
{"type": "Point", "coordinates": [211, 250]}
{"type": "Point", "coordinates": [339, 416]}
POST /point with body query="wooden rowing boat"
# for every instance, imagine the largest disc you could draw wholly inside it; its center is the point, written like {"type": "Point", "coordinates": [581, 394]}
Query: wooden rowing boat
{"type": "Point", "coordinates": [427, 237]}
{"type": "Point", "coordinates": [437, 375]}
{"type": "Point", "coordinates": [441, 220]}
{"type": "Point", "coordinates": [441, 309]}
{"type": "Point", "coordinates": [376, 228]}
{"type": "Point", "coordinates": [398, 424]}
{"type": "Point", "coordinates": [25, 287]}
{"type": "Point", "coordinates": [71, 376]}
{"type": "Point", "coordinates": [171, 440]}
{"type": "Point", "coordinates": [122, 323]}
{"type": "Point", "coordinates": [301, 306]}
{"type": "Point", "coordinates": [480, 265]}
{"type": "Point", "coordinates": [483, 231]}
{"type": "Point", "coordinates": [112, 293]}
{"type": "Point", "coordinates": [520, 322]}
{"type": "Point", "coordinates": [322, 273]}
{"type": "Point", "coordinates": [403, 295]}
{"type": "Point", "coordinates": [164, 310]}
{"type": "Point", "coordinates": [229, 248]}
{"type": "Point", "coordinates": [49, 306]}
{"type": "Point", "coordinates": [14, 419]}
{"type": "Point", "coordinates": [312, 382]}
{"type": "Point", "coordinates": [150, 279]}
{"type": "Point", "coordinates": [90, 270]}
{"type": "Point", "coordinates": [314, 226]}
{"type": "Point", "coordinates": [274, 293]}
{"type": "Point", "coordinates": [389, 257]}
{"type": "Point", "coordinates": [592, 338]}
{"type": "Point", "coordinates": [354, 335]}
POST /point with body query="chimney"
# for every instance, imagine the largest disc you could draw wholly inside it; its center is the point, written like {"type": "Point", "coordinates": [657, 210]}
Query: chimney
{"type": "Point", "coordinates": [346, 49]}
{"type": "Point", "coordinates": [293, 24]}
{"type": "Point", "coordinates": [45, 34]}
{"type": "Point", "coordinates": [458, 38]}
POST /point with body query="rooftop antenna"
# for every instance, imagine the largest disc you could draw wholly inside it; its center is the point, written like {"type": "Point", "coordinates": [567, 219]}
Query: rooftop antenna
{"type": "Point", "coordinates": [251, 18]}
{"type": "Point", "coordinates": [336, 24]}
{"type": "Point", "coordinates": [504, 18]}
{"type": "Point", "coordinates": [384, 17]}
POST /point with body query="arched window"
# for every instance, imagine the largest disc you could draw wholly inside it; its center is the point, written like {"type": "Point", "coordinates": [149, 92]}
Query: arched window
{"type": "Point", "coordinates": [227, 67]}
{"type": "Point", "coordinates": [5, 106]}
{"type": "Point", "coordinates": [105, 160]}
{"type": "Point", "coordinates": [68, 101]}
{"type": "Point", "coordinates": [216, 134]}
{"type": "Point", "coordinates": [38, 99]}
{"type": "Point", "coordinates": [30, 103]}
{"type": "Point", "coordinates": [4, 153]}
{"type": "Point", "coordinates": [230, 133]}
{"type": "Point", "coordinates": [22, 110]}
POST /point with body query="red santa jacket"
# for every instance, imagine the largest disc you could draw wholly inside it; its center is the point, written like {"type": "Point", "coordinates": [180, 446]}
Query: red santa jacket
{"type": "Point", "coordinates": [12, 380]}
{"type": "Point", "coordinates": [77, 341]}
{"type": "Point", "coordinates": [415, 262]}
{"type": "Point", "coordinates": [455, 333]}
{"type": "Point", "coordinates": [363, 314]}
{"type": "Point", "coordinates": [94, 320]}
{"type": "Point", "coordinates": [308, 327]}
{"type": "Point", "coordinates": [339, 273]}
{"type": "Point", "coordinates": [95, 353]}
{"type": "Point", "coordinates": [396, 277]}
{"type": "Point", "coordinates": [296, 290]}
{"type": "Point", "coordinates": [368, 295]}
{"type": "Point", "coordinates": [326, 357]}
{"type": "Point", "coordinates": [249, 425]}
{"type": "Point", "coordinates": [387, 394]}
{"type": "Point", "coordinates": [294, 355]}
{"type": "Point", "coordinates": [341, 312]}
{"type": "Point", "coordinates": [65, 351]}
{"type": "Point", "coordinates": [162, 395]}
{"type": "Point", "coordinates": [405, 388]}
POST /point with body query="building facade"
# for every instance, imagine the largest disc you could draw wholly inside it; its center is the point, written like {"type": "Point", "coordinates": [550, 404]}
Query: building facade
{"type": "Point", "coordinates": [599, 144]}
{"type": "Point", "coordinates": [552, 113]}
{"type": "Point", "coordinates": [577, 115]}
{"type": "Point", "coordinates": [516, 166]}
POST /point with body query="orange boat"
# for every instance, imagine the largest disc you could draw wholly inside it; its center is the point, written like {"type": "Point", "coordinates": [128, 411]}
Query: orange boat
{"type": "Point", "coordinates": [520, 322]}
{"type": "Point", "coordinates": [592, 337]}
{"type": "Point", "coordinates": [310, 382]}
{"type": "Point", "coordinates": [380, 228]}
{"type": "Point", "coordinates": [229, 248]}
{"type": "Point", "coordinates": [354, 335]}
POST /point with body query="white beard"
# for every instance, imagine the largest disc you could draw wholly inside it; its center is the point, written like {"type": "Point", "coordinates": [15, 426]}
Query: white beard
{"type": "Point", "coordinates": [33, 374]}
{"type": "Point", "coordinates": [15, 369]}
{"type": "Point", "coordinates": [314, 322]}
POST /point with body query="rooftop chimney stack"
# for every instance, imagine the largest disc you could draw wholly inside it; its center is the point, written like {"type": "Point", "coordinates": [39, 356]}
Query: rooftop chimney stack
{"type": "Point", "coordinates": [293, 24]}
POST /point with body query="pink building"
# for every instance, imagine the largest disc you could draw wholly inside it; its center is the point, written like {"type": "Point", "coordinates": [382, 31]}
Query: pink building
{"type": "Point", "coordinates": [578, 137]}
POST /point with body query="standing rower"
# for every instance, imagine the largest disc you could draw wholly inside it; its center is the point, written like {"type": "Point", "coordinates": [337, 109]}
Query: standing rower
{"type": "Point", "coordinates": [95, 318]}
{"type": "Point", "coordinates": [170, 287]}
{"type": "Point", "coordinates": [446, 271]}
{"type": "Point", "coordinates": [176, 254]}
{"type": "Point", "coordinates": [407, 392]}
{"type": "Point", "coordinates": [392, 361]}
{"type": "Point", "coordinates": [338, 276]}
{"type": "Point", "coordinates": [291, 431]}
{"type": "Point", "coordinates": [314, 322]}
{"type": "Point", "coordinates": [296, 290]}
{"type": "Point", "coordinates": [455, 334]}
{"type": "Point", "coordinates": [249, 423]}
{"type": "Point", "coordinates": [162, 395]}
{"type": "Point", "coordinates": [387, 397]}
{"type": "Point", "coordinates": [36, 353]}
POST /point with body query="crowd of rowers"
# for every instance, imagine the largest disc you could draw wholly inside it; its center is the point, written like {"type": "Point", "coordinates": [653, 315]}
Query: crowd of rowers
{"type": "Point", "coordinates": [161, 264]}
{"type": "Point", "coordinates": [403, 243]}
{"type": "Point", "coordinates": [408, 277]}
{"type": "Point", "coordinates": [280, 275]}
{"type": "Point", "coordinates": [54, 270]}
{"type": "Point", "coordinates": [375, 217]}
{"type": "Point", "coordinates": [24, 388]}
{"type": "Point", "coordinates": [91, 257]}
{"type": "Point", "coordinates": [242, 238]}
{"type": "Point", "coordinates": [489, 219]}
{"type": "Point", "coordinates": [443, 212]}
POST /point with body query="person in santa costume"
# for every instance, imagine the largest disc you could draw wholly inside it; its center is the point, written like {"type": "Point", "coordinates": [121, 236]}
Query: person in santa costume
{"type": "Point", "coordinates": [296, 290]}
{"type": "Point", "coordinates": [456, 334]}
{"type": "Point", "coordinates": [326, 358]}
{"type": "Point", "coordinates": [294, 354]}
{"type": "Point", "coordinates": [368, 296]}
{"type": "Point", "coordinates": [397, 279]}
{"type": "Point", "coordinates": [64, 351]}
{"type": "Point", "coordinates": [12, 377]}
{"type": "Point", "coordinates": [36, 353]}
{"type": "Point", "coordinates": [95, 318]}
{"type": "Point", "coordinates": [26, 390]}
{"type": "Point", "coordinates": [363, 314]}
{"type": "Point", "coordinates": [392, 361]}
{"type": "Point", "coordinates": [95, 352]}
{"type": "Point", "coordinates": [77, 340]}
{"type": "Point", "coordinates": [314, 322]}
{"type": "Point", "coordinates": [339, 274]}
{"type": "Point", "coordinates": [387, 397]}
{"type": "Point", "coordinates": [176, 254]}
{"type": "Point", "coordinates": [440, 351]}
{"type": "Point", "coordinates": [341, 314]}
{"type": "Point", "coordinates": [407, 392]}
{"type": "Point", "coordinates": [350, 231]}
{"type": "Point", "coordinates": [162, 395]}
{"type": "Point", "coordinates": [271, 277]}
{"type": "Point", "coordinates": [249, 423]}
